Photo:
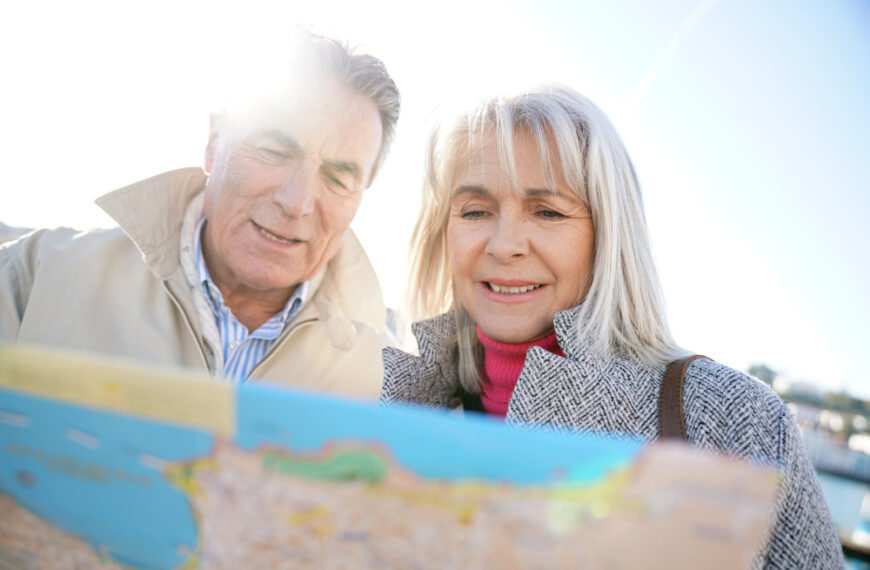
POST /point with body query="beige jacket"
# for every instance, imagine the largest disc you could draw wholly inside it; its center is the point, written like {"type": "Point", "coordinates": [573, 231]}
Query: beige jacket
{"type": "Point", "coordinates": [124, 292]}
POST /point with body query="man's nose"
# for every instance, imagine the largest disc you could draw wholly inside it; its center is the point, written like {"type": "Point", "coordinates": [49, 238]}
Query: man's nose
{"type": "Point", "coordinates": [297, 192]}
{"type": "Point", "coordinates": [508, 240]}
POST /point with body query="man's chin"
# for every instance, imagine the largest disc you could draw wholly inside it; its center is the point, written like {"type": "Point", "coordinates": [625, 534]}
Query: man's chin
{"type": "Point", "coordinates": [258, 280]}
{"type": "Point", "coordinates": [271, 273]}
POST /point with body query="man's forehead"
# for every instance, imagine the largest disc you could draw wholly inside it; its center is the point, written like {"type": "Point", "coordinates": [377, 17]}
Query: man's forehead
{"type": "Point", "coordinates": [320, 116]}
{"type": "Point", "coordinates": [283, 102]}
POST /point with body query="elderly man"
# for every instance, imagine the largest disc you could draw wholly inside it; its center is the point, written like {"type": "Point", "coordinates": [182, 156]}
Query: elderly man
{"type": "Point", "coordinates": [248, 271]}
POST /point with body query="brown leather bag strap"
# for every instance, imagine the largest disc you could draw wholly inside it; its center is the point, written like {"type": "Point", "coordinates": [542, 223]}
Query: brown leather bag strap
{"type": "Point", "coordinates": [672, 418]}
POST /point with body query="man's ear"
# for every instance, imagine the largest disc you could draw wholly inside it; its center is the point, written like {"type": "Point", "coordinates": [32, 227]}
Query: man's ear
{"type": "Point", "coordinates": [214, 126]}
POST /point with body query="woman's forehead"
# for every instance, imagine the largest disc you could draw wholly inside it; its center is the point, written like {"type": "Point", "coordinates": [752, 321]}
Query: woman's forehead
{"type": "Point", "coordinates": [487, 153]}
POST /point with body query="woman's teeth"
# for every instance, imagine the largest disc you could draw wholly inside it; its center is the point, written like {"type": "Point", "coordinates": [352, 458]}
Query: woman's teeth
{"type": "Point", "coordinates": [275, 238]}
{"type": "Point", "coordinates": [512, 290]}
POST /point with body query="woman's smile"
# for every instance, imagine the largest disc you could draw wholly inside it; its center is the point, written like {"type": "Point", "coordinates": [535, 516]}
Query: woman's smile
{"type": "Point", "coordinates": [511, 293]}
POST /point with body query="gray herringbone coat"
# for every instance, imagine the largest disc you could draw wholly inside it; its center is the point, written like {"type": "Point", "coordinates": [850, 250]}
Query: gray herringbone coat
{"type": "Point", "coordinates": [725, 410]}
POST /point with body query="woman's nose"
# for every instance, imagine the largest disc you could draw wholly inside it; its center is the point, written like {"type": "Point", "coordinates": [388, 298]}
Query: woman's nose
{"type": "Point", "coordinates": [508, 240]}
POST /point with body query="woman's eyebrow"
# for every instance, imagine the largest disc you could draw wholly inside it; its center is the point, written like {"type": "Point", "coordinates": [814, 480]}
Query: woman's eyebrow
{"type": "Point", "coordinates": [538, 192]}
{"type": "Point", "coordinates": [484, 193]}
{"type": "Point", "coordinates": [471, 189]}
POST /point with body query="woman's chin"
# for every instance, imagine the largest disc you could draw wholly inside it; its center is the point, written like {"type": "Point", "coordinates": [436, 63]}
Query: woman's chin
{"type": "Point", "coordinates": [518, 333]}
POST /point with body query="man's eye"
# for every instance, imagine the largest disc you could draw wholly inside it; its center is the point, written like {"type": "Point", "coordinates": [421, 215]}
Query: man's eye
{"type": "Point", "coordinates": [337, 182]}
{"type": "Point", "coordinates": [272, 152]}
{"type": "Point", "coordinates": [334, 181]}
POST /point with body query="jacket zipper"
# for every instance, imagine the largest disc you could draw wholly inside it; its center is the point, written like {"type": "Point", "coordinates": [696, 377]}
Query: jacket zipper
{"type": "Point", "coordinates": [189, 325]}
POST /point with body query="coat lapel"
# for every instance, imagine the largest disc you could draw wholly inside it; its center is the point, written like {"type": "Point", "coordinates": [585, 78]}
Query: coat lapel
{"type": "Point", "coordinates": [585, 390]}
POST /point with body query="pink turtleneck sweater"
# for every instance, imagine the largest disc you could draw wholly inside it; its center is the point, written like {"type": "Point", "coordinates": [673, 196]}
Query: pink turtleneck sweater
{"type": "Point", "coordinates": [502, 364]}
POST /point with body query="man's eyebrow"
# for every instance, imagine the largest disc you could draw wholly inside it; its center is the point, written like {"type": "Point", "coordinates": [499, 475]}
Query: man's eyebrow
{"type": "Point", "coordinates": [282, 138]}
{"type": "Point", "coordinates": [351, 168]}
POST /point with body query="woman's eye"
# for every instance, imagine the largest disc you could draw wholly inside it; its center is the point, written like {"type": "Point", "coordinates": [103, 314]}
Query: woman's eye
{"type": "Point", "coordinates": [473, 214]}
{"type": "Point", "coordinates": [550, 214]}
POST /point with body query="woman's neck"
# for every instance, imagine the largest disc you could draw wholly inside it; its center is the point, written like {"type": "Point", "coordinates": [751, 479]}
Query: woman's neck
{"type": "Point", "coordinates": [502, 364]}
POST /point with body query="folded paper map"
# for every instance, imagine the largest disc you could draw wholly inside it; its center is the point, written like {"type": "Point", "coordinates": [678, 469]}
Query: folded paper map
{"type": "Point", "coordinates": [109, 464]}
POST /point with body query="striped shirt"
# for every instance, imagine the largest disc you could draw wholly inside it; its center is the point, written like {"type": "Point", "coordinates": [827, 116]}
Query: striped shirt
{"type": "Point", "coordinates": [242, 351]}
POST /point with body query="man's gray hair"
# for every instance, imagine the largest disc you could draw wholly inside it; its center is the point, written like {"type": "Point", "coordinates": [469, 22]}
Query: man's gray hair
{"type": "Point", "coordinates": [624, 307]}
{"type": "Point", "coordinates": [297, 59]}
{"type": "Point", "coordinates": [363, 73]}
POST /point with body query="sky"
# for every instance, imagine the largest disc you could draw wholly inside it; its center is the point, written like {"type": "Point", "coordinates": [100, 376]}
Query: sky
{"type": "Point", "coordinates": [747, 122]}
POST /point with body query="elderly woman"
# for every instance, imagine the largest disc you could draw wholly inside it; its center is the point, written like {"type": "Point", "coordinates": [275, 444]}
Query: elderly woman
{"type": "Point", "coordinates": [532, 249]}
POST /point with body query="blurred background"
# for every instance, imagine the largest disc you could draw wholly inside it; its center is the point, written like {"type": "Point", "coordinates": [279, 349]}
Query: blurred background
{"type": "Point", "coordinates": [747, 121]}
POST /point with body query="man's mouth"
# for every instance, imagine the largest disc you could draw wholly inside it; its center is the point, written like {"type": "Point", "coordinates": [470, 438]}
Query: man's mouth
{"type": "Point", "coordinates": [503, 290]}
{"type": "Point", "coordinates": [276, 238]}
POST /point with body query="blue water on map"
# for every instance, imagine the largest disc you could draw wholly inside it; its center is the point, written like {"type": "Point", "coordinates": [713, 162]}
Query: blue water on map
{"type": "Point", "coordinates": [432, 444]}
{"type": "Point", "coordinates": [83, 470]}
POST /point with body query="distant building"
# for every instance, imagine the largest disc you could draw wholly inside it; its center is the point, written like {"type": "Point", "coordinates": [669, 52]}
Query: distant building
{"type": "Point", "coordinates": [832, 421]}
{"type": "Point", "coordinates": [805, 415]}
{"type": "Point", "coordinates": [830, 456]}
{"type": "Point", "coordinates": [797, 387]}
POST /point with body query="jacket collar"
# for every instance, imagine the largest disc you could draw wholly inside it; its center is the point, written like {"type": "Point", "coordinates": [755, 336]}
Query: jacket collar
{"type": "Point", "coordinates": [578, 347]}
{"type": "Point", "coordinates": [436, 340]}
{"type": "Point", "coordinates": [150, 212]}
{"type": "Point", "coordinates": [581, 390]}
{"type": "Point", "coordinates": [431, 334]}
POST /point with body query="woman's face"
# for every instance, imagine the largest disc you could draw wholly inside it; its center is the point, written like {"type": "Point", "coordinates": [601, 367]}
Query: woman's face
{"type": "Point", "coordinates": [517, 258]}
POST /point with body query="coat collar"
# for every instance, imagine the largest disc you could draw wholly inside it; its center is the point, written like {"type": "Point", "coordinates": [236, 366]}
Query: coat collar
{"type": "Point", "coordinates": [576, 345]}
{"type": "Point", "coordinates": [587, 389]}
{"type": "Point", "coordinates": [436, 340]}
{"type": "Point", "coordinates": [150, 212]}
{"type": "Point", "coordinates": [435, 333]}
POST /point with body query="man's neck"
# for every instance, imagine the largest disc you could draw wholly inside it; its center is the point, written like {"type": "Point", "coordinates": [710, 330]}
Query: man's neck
{"type": "Point", "coordinates": [253, 308]}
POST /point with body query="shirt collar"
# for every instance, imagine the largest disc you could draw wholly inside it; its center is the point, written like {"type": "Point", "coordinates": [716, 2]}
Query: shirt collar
{"type": "Point", "coordinates": [213, 294]}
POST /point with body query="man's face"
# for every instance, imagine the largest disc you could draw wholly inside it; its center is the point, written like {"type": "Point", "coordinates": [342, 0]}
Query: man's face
{"type": "Point", "coordinates": [285, 184]}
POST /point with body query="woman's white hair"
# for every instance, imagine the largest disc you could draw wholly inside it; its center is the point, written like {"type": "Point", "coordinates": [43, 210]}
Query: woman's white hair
{"type": "Point", "coordinates": [623, 310]}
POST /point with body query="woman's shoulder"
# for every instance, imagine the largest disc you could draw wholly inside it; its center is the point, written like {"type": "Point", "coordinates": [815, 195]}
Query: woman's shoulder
{"type": "Point", "coordinates": [720, 381]}
{"type": "Point", "coordinates": [429, 378]}
{"type": "Point", "coordinates": [733, 411]}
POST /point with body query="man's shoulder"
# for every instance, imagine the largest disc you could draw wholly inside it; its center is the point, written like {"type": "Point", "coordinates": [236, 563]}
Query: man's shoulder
{"type": "Point", "coordinates": [65, 241]}
{"type": "Point", "coordinates": [62, 253]}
